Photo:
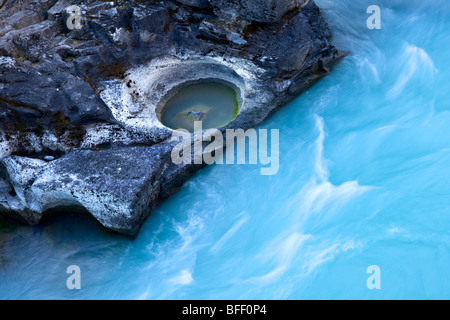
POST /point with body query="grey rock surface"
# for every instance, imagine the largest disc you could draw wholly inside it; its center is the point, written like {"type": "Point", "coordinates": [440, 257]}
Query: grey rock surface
{"type": "Point", "coordinates": [90, 99]}
{"type": "Point", "coordinates": [119, 187]}
{"type": "Point", "coordinates": [256, 10]}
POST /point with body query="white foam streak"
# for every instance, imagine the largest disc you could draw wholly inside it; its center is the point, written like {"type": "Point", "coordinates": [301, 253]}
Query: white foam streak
{"type": "Point", "coordinates": [230, 233]}
{"type": "Point", "coordinates": [282, 250]}
{"type": "Point", "coordinates": [320, 168]}
{"type": "Point", "coordinates": [188, 230]}
{"type": "Point", "coordinates": [319, 192]}
{"type": "Point", "coordinates": [418, 59]}
{"type": "Point", "coordinates": [318, 258]}
{"type": "Point", "coordinates": [313, 198]}
{"type": "Point", "coordinates": [183, 279]}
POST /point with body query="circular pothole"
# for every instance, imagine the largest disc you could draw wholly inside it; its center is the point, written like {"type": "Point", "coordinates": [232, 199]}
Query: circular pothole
{"type": "Point", "coordinates": [214, 104]}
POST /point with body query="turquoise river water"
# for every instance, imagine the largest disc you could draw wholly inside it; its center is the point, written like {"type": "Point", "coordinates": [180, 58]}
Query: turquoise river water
{"type": "Point", "coordinates": [364, 180]}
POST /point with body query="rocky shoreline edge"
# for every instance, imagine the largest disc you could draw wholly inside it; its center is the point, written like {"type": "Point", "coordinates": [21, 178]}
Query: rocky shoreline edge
{"type": "Point", "coordinates": [80, 109]}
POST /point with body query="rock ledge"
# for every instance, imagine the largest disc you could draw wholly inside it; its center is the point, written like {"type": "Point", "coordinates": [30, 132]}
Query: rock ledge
{"type": "Point", "coordinates": [80, 109]}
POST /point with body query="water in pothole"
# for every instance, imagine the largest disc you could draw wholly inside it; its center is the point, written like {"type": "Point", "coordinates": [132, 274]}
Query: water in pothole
{"type": "Point", "coordinates": [214, 104]}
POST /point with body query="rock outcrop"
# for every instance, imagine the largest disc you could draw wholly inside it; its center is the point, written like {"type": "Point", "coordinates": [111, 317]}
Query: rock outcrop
{"type": "Point", "coordinates": [79, 109]}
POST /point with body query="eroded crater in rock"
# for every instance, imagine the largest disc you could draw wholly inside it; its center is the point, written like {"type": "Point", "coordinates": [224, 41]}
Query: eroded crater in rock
{"type": "Point", "coordinates": [215, 104]}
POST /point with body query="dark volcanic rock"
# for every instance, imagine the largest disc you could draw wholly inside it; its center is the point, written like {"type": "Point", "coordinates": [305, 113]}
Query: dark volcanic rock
{"type": "Point", "coordinates": [48, 93]}
{"type": "Point", "coordinates": [67, 94]}
{"type": "Point", "coordinates": [256, 10]}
